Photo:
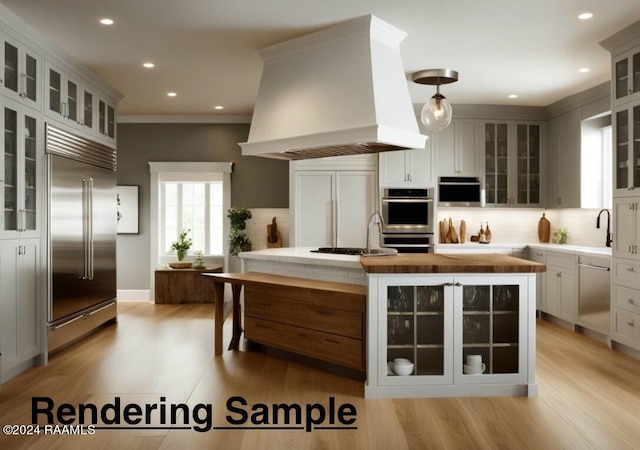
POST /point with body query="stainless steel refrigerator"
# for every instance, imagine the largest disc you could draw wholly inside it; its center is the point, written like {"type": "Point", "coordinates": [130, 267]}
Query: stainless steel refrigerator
{"type": "Point", "coordinates": [82, 213]}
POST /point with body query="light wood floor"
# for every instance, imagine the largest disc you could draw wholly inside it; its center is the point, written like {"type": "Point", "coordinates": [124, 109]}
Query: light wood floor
{"type": "Point", "coordinates": [589, 395]}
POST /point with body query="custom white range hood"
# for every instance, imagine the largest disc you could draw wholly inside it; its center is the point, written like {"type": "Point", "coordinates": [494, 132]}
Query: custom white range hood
{"type": "Point", "coordinates": [339, 91]}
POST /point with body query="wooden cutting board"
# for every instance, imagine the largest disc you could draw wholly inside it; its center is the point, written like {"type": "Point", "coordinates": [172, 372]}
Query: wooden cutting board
{"type": "Point", "coordinates": [544, 229]}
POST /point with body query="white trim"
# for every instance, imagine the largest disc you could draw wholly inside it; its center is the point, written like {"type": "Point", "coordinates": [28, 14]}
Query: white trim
{"type": "Point", "coordinates": [157, 171]}
{"type": "Point", "coordinates": [190, 167]}
{"type": "Point", "coordinates": [185, 119]}
{"type": "Point", "coordinates": [134, 295]}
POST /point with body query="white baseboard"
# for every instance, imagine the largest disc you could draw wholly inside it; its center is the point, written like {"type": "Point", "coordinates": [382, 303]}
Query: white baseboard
{"type": "Point", "coordinates": [134, 295]}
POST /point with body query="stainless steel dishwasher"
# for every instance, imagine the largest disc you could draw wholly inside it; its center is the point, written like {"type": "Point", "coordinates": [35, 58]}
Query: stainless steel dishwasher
{"type": "Point", "coordinates": [594, 302]}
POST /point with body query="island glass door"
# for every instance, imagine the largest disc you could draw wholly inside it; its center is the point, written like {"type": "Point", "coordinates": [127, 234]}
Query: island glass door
{"type": "Point", "coordinates": [418, 322]}
{"type": "Point", "coordinates": [491, 325]}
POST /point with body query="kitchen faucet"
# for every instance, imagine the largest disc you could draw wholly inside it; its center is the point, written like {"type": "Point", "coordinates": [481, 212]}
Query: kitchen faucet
{"type": "Point", "coordinates": [375, 219]}
{"type": "Point", "coordinates": [609, 236]}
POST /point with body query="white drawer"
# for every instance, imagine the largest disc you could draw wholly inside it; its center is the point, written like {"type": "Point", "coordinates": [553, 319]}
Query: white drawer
{"type": "Point", "coordinates": [626, 328]}
{"type": "Point", "coordinates": [626, 273]}
{"type": "Point", "coordinates": [559, 260]}
{"type": "Point", "coordinates": [627, 299]}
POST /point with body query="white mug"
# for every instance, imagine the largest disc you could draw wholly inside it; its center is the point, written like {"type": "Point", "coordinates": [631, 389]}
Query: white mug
{"type": "Point", "coordinates": [474, 370]}
{"type": "Point", "coordinates": [474, 360]}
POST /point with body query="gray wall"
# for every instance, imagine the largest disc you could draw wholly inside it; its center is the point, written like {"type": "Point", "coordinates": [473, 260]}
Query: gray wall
{"type": "Point", "coordinates": [255, 182]}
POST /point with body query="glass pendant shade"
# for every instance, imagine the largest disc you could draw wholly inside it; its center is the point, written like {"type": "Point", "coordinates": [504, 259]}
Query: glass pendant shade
{"type": "Point", "coordinates": [436, 113]}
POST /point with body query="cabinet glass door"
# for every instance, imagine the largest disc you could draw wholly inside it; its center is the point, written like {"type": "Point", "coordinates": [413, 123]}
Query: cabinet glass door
{"type": "Point", "coordinates": [11, 67]}
{"type": "Point", "coordinates": [31, 78]}
{"type": "Point", "coordinates": [635, 163]}
{"type": "Point", "coordinates": [416, 328]}
{"type": "Point", "coordinates": [55, 91]}
{"type": "Point", "coordinates": [102, 114]}
{"type": "Point", "coordinates": [111, 121]}
{"type": "Point", "coordinates": [10, 169]}
{"type": "Point", "coordinates": [622, 149]}
{"type": "Point", "coordinates": [528, 175]}
{"type": "Point", "coordinates": [490, 329]}
{"type": "Point", "coordinates": [72, 100]}
{"type": "Point", "coordinates": [30, 173]}
{"type": "Point", "coordinates": [88, 109]}
{"type": "Point", "coordinates": [622, 78]}
{"type": "Point", "coordinates": [496, 163]}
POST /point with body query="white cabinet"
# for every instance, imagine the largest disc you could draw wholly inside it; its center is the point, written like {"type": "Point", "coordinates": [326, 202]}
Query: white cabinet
{"type": "Point", "coordinates": [69, 100]}
{"type": "Point", "coordinates": [625, 320]}
{"type": "Point", "coordinates": [626, 232]}
{"type": "Point", "coordinates": [626, 169]}
{"type": "Point", "coordinates": [436, 321]}
{"type": "Point", "coordinates": [20, 317]}
{"type": "Point", "coordinates": [563, 166]}
{"type": "Point", "coordinates": [332, 207]}
{"type": "Point", "coordinates": [458, 149]}
{"type": "Point", "coordinates": [21, 76]}
{"type": "Point", "coordinates": [408, 168]}
{"type": "Point", "coordinates": [561, 286]}
{"type": "Point", "coordinates": [626, 77]}
{"type": "Point", "coordinates": [20, 169]}
{"type": "Point", "coordinates": [539, 256]}
{"type": "Point", "coordinates": [512, 163]}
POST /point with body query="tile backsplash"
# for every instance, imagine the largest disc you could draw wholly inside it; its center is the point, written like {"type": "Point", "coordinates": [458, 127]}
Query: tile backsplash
{"type": "Point", "coordinates": [508, 225]}
{"type": "Point", "coordinates": [257, 226]}
{"type": "Point", "coordinates": [521, 225]}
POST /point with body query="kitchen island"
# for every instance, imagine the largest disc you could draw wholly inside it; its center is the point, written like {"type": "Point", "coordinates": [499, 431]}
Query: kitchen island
{"type": "Point", "coordinates": [434, 310]}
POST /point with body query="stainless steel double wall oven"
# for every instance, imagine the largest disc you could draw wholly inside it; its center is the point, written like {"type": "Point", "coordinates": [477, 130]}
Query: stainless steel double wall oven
{"type": "Point", "coordinates": [409, 215]}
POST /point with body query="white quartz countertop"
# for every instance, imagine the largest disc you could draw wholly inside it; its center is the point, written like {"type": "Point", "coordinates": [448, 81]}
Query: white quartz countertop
{"type": "Point", "coordinates": [566, 248]}
{"type": "Point", "coordinates": [303, 255]}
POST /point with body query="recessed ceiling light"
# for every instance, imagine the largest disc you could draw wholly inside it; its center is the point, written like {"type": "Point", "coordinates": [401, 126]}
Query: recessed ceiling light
{"type": "Point", "coordinates": [149, 65]}
{"type": "Point", "coordinates": [513, 95]}
{"type": "Point", "coordinates": [106, 21]}
{"type": "Point", "coordinates": [585, 16]}
{"type": "Point", "coordinates": [171, 94]}
{"type": "Point", "coordinates": [218, 107]}
{"type": "Point", "coordinates": [584, 69]}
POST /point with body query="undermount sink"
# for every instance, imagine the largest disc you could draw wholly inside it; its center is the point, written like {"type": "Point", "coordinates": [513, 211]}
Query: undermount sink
{"type": "Point", "coordinates": [357, 251]}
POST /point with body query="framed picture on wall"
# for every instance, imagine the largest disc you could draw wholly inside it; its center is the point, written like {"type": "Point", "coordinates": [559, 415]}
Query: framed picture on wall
{"type": "Point", "coordinates": [128, 209]}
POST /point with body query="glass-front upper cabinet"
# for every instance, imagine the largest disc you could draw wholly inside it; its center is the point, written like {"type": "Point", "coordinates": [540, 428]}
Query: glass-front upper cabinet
{"type": "Point", "coordinates": [20, 72]}
{"type": "Point", "coordinates": [626, 70]}
{"type": "Point", "coordinates": [21, 171]}
{"type": "Point", "coordinates": [528, 164]}
{"type": "Point", "coordinates": [69, 100]}
{"type": "Point", "coordinates": [106, 120]}
{"type": "Point", "coordinates": [627, 151]}
{"type": "Point", "coordinates": [496, 164]}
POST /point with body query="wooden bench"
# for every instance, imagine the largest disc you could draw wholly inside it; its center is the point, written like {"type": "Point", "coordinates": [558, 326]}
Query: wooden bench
{"type": "Point", "coordinates": [320, 319]}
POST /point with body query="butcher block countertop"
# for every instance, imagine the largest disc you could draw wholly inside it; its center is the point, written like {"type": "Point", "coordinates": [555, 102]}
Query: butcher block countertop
{"type": "Point", "coordinates": [446, 263]}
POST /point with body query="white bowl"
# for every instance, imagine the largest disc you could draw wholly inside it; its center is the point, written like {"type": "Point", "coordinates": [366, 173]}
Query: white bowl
{"type": "Point", "coordinates": [402, 361]}
{"type": "Point", "coordinates": [403, 369]}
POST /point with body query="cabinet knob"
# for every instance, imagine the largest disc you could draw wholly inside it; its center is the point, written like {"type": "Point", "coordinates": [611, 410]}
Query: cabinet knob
{"type": "Point", "coordinates": [631, 301]}
{"type": "Point", "coordinates": [559, 275]}
{"type": "Point", "coordinates": [630, 269]}
{"type": "Point", "coordinates": [631, 323]}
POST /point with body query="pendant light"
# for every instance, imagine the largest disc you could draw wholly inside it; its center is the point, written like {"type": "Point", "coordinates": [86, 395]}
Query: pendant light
{"type": "Point", "coordinates": [436, 113]}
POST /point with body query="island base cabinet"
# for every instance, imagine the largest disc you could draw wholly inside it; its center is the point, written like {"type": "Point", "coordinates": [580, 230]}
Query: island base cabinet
{"type": "Point", "coordinates": [466, 335]}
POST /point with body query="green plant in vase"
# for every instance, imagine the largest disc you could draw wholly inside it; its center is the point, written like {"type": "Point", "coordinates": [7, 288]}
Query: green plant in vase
{"type": "Point", "coordinates": [238, 240]}
{"type": "Point", "coordinates": [182, 245]}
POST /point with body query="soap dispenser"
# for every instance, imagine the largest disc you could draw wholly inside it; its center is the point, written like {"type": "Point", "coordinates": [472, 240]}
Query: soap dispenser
{"type": "Point", "coordinates": [487, 234]}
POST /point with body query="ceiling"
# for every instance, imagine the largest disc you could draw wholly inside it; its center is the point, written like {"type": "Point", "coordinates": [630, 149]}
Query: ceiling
{"type": "Point", "coordinates": [206, 50]}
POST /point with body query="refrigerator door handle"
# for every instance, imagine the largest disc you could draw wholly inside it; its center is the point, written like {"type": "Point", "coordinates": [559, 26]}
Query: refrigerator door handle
{"type": "Point", "coordinates": [87, 228]}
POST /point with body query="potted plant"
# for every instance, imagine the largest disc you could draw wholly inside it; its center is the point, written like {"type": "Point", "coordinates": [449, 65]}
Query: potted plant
{"type": "Point", "coordinates": [238, 240]}
{"type": "Point", "coordinates": [182, 244]}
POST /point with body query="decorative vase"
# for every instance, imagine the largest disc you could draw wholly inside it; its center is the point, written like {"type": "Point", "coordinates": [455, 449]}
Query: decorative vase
{"type": "Point", "coordinates": [181, 254]}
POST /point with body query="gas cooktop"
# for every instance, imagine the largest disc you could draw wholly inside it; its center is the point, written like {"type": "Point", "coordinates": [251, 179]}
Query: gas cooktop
{"type": "Point", "coordinates": [341, 250]}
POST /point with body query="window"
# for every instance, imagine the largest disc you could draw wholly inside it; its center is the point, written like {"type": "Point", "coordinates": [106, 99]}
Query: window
{"type": "Point", "coordinates": [192, 195]}
{"type": "Point", "coordinates": [595, 175]}
{"type": "Point", "coordinates": [196, 206]}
